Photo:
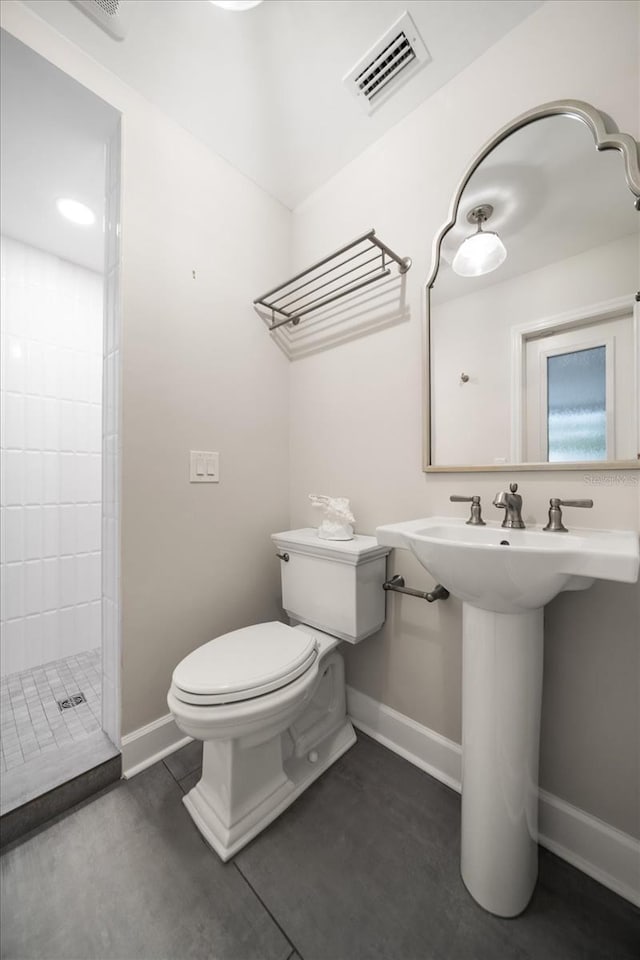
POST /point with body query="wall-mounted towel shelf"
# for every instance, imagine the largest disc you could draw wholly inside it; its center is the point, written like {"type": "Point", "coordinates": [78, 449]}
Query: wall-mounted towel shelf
{"type": "Point", "coordinates": [356, 265]}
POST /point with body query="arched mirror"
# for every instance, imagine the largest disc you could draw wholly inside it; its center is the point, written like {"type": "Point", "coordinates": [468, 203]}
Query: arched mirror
{"type": "Point", "coordinates": [532, 306]}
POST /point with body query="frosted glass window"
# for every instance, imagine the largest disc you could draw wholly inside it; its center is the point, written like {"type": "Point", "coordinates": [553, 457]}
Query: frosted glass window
{"type": "Point", "coordinates": [576, 406]}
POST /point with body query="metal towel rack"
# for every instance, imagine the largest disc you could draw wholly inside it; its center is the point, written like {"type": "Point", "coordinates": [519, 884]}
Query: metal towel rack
{"type": "Point", "coordinates": [289, 302]}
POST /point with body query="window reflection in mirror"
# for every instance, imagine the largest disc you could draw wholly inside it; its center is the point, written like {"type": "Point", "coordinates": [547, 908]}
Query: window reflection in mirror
{"type": "Point", "coordinates": [576, 405]}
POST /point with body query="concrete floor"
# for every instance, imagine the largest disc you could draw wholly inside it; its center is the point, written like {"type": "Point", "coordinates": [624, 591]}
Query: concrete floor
{"type": "Point", "coordinates": [364, 866]}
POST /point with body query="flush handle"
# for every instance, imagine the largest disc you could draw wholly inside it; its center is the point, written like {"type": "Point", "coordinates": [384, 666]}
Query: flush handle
{"type": "Point", "coordinates": [283, 556]}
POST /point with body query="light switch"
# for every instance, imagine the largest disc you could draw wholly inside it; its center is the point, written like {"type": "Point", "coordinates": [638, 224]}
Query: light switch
{"type": "Point", "coordinates": [204, 466]}
{"type": "Point", "coordinates": [212, 461]}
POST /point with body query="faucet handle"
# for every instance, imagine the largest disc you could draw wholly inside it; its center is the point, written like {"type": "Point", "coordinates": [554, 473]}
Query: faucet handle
{"type": "Point", "coordinates": [555, 523]}
{"type": "Point", "coordinates": [555, 502]}
{"type": "Point", "coordinates": [475, 520]}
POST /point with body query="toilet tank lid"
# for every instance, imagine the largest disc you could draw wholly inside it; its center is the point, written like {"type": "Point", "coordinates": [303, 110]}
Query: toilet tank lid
{"type": "Point", "coordinates": [249, 661]}
{"type": "Point", "coordinates": [361, 549]}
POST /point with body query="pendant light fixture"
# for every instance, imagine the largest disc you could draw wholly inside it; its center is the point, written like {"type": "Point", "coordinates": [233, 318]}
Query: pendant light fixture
{"type": "Point", "coordinates": [483, 251]}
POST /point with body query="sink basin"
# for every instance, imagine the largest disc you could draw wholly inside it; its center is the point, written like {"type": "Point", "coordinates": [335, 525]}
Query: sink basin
{"type": "Point", "coordinates": [509, 571]}
{"type": "Point", "coordinates": [504, 578]}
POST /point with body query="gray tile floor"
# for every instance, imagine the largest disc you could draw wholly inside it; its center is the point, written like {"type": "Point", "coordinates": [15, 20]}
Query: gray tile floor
{"type": "Point", "coordinates": [36, 737]}
{"type": "Point", "coordinates": [364, 866]}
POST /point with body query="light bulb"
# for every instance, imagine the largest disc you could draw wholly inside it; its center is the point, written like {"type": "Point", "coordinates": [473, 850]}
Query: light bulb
{"type": "Point", "coordinates": [480, 253]}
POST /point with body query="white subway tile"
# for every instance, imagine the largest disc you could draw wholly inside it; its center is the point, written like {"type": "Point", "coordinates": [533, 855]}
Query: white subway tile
{"type": "Point", "coordinates": [12, 421]}
{"type": "Point", "coordinates": [51, 375]}
{"type": "Point", "coordinates": [50, 531]}
{"type": "Point", "coordinates": [94, 633]}
{"type": "Point", "coordinates": [13, 478]}
{"type": "Point", "coordinates": [88, 529]}
{"type": "Point", "coordinates": [110, 644]}
{"type": "Point", "coordinates": [94, 576]}
{"type": "Point", "coordinates": [33, 639]}
{"type": "Point", "coordinates": [51, 478]}
{"type": "Point", "coordinates": [14, 312]}
{"type": "Point", "coordinates": [94, 478]}
{"type": "Point", "coordinates": [67, 425]}
{"type": "Point", "coordinates": [32, 587]}
{"type": "Point", "coordinates": [13, 539]}
{"type": "Point", "coordinates": [34, 423]}
{"type": "Point", "coordinates": [81, 414]}
{"type": "Point", "coordinates": [33, 533]}
{"type": "Point", "coordinates": [50, 635]}
{"type": "Point", "coordinates": [33, 476]}
{"type": "Point", "coordinates": [87, 588]}
{"type": "Point", "coordinates": [51, 422]}
{"type": "Point", "coordinates": [13, 591]}
{"type": "Point", "coordinates": [83, 625]}
{"type": "Point", "coordinates": [12, 646]}
{"type": "Point", "coordinates": [94, 428]}
{"type": "Point", "coordinates": [39, 303]}
{"type": "Point", "coordinates": [67, 574]}
{"type": "Point", "coordinates": [67, 628]}
{"type": "Point", "coordinates": [68, 477]}
{"type": "Point", "coordinates": [65, 374]}
{"type": "Point", "coordinates": [68, 539]}
{"type": "Point", "coordinates": [34, 368]}
{"type": "Point", "coordinates": [65, 323]}
{"type": "Point", "coordinates": [94, 378]}
{"type": "Point", "coordinates": [81, 375]}
{"type": "Point", "coordinates": [13, 357]}
{"type": "Point", "coordinates": [50, 584]}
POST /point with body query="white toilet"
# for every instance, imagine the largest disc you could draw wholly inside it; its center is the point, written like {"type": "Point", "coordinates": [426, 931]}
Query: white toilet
{"type": "Point", "coordinates": [269, 700]}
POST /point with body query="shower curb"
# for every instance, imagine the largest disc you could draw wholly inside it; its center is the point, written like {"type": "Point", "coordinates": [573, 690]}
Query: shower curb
{"type": "Point", "coordinates": [15, 824]}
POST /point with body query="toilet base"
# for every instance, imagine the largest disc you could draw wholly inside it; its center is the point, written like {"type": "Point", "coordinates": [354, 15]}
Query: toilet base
{"type": "Point", "coordinates": [297, 774]}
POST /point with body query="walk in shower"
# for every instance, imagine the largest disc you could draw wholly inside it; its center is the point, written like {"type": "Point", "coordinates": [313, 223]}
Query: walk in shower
{"type": "Point", "coordinates": [59, 439]}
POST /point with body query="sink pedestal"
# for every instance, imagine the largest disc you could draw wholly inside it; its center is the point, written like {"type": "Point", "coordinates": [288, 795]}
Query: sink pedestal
{"type": "Point", "coordinates": [502, 696]}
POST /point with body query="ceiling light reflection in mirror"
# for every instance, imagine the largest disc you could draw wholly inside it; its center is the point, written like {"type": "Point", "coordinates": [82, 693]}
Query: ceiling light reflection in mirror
{"type": "Point", "coordinates": [76, 212]}
{"type": "Point", "coordinates": [237, 6]}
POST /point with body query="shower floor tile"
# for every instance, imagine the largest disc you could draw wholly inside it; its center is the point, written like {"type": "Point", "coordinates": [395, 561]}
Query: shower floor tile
{"type": "Point", "coordinates": [40, 744]}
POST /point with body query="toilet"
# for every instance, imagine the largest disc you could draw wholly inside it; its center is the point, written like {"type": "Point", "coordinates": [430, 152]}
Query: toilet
{"type": "Point", "coordinates": [269, 700]}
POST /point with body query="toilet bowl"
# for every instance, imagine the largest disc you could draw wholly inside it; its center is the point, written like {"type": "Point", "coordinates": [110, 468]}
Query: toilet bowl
{"type": "Point", "coordinates": [268, 700]}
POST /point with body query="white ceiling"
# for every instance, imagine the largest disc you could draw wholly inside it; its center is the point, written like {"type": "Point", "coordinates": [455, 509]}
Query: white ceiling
{"type": "Point", "coordinates": [52, 145]}
{"type": "Point", "coordinates": [264, 88]}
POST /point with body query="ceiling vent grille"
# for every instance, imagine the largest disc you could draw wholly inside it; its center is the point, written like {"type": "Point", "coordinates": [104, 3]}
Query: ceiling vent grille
{"type": "Point", "coordinates": [108, 14]}
{"type": "Point", "coordinates": [389, 63]}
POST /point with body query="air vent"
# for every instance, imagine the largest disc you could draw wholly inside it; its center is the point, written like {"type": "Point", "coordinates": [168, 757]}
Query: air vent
{"type": "Point", "coordinates": [108, 14]}
{"type": "Point", "coordinates": [391, 61]}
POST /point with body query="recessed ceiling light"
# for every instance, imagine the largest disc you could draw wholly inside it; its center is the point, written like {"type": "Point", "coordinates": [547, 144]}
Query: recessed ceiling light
{"type": "Point", "coordinates": [76, 212]}
{"type": "Point", "coordinates": [236, 5]}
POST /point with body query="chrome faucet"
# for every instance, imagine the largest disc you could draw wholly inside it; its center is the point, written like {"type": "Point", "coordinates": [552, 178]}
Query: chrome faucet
{"type": "Point", "coordinates": [511, 503]}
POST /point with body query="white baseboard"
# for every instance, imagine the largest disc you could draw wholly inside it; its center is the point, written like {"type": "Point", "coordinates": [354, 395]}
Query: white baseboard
{"type": "Point", "coordinates": [599, 850]}
{"type": "Point", "coordinates": [147, 745]}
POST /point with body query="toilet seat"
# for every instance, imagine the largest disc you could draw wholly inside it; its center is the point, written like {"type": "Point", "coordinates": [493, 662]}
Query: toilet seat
{"type": "Point", "coordinates": [244, 664]}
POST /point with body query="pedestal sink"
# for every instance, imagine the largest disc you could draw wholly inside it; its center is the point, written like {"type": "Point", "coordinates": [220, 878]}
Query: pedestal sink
{"type": "Point", "coordinates": [504, 578]}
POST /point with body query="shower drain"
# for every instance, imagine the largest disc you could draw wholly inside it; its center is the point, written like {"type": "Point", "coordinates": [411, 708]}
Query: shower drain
{"type": "Point", "coordinates": [73, 701]}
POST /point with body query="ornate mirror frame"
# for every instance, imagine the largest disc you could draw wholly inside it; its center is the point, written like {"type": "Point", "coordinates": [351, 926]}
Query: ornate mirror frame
{"type": "Point", "coordinates": [603, 140]}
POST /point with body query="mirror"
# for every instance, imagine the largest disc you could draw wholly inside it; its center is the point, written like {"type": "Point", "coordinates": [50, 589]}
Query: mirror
{"type": "Point", "coordinates": [534, 361]}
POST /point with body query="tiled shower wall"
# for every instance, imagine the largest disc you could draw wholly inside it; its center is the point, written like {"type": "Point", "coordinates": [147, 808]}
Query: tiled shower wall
{"type": "Point", "coordinates": [111, 462]}
{"type": "Point", "coordinates": [52, 319]}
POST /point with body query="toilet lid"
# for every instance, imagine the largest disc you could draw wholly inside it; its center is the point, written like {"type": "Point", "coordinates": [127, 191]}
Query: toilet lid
{"type": "Point", "coordinates": [244, 664]}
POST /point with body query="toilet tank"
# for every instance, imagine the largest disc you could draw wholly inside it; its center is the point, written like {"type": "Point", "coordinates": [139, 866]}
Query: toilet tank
{"type": "Point", "coordinates": [333, 585]}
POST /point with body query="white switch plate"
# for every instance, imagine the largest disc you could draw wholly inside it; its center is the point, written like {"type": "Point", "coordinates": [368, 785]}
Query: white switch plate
{"type": "Point", "coordinates": [204, 466]}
